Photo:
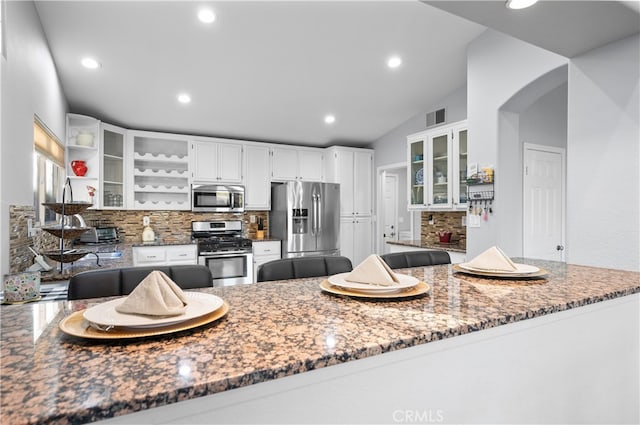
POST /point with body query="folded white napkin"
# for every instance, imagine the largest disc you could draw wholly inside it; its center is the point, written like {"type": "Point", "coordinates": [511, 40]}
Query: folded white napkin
{"type": "Point", "coordinates": [373, 270]}
{"type": "Point", "coordinates": [156, 295]}
{"type": "Point", "coordinates": [493, 259]}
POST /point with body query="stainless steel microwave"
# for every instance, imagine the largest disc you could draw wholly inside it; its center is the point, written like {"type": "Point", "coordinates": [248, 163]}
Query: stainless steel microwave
{"type": "Point", "coordinates": [217, 198]}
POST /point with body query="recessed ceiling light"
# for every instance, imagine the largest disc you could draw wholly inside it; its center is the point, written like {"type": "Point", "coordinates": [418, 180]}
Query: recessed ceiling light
{"type": "Point", "coordinates": [520, 4]}
{"type": "Point", "coordinates": [184, 98]}
{"type": "Point", "coordinates": [394, 62]}
{"type": "Point", "coordinates": [206, 15]}
{"type": "Point", "coordinates": [329, 119]}
{"type": "Point", "coordinates": [90, 63]}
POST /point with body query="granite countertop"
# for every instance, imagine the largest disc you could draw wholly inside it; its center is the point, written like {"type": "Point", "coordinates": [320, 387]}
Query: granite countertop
{"type": "Point", "coordinates": [454, 247]}
{"type": "Point", "coordinates": [265, 239]}
{"type": "Point", "coordinates": [166, 242]}
{"type": "Point", "coordinates": [273, 329]}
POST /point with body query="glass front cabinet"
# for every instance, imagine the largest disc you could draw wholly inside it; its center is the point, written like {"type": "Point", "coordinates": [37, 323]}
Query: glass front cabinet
{"type": "Point", "coordinates": [437, 168]}
{"type": "Point", "coordinates": [112, 192]}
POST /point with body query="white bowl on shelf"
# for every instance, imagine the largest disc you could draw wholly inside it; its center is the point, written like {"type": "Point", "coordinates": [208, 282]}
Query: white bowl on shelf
{"type": "Point", "coordinates": [84, 139]}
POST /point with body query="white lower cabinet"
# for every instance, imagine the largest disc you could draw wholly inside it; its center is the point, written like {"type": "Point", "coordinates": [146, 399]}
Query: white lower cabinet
{"type": "Point", "coordinates": [263, 252]}
{"type": "Point", "coordinates": [355, 238]}
{"type": "Point", "coordinates": [165, 255]}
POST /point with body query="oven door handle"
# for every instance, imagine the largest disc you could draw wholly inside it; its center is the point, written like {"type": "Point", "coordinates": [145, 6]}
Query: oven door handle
{"type": "Point", "coordinates": [223, 254]}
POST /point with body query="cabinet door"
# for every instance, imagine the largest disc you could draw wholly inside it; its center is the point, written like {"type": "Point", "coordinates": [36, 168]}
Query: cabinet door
{"type": "Point", "coordinates": [362, 190]}
{"type": "Point", "coordinates": [149, 256]}
{"type": "Point", "coordinates": [310, 165]}
{"type": "Point", "coordinates": [230, 162]}
{"type": "Point", "coordinates": [362, 240]}
{"type": "Point", "coordinates": [112, 178]}
{"type": "Point", "coordinates": [347, 228]}
{"type": "Point", "coordinates": [182, 254]}
{"type": "Point", "coordinates": [416, 173]}
{"type": "Point", "coordinates": [439, 179]}
{"type": "Point", "coordinates": [460, 167]}
{"type": "Point", "coordinates": [344, 173]}
{"type": "Point", "coordinates": [205, 157]}
{"type": "Point", "coordinates": [284, 164]}
{"type": "Point", "coordinates": [257, 182]}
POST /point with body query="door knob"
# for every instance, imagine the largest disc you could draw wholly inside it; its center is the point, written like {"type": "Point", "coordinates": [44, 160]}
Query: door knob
{"type": "Point", "coordinates": [559, 248]}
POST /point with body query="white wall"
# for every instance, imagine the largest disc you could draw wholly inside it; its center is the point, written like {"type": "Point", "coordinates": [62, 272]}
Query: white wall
{"type": "Point", "coordinates": [545, 122]}
{"type": "Point", "coordinates": [392, 147]}
{"type": "Point", "coordinates": [542, 122]}
{"type": "Point", "coordinates": [498, 67]}
{"type": "Point", "coordinates": [30, 86]}
{"type": "Point", "coordinates": [603, 203]}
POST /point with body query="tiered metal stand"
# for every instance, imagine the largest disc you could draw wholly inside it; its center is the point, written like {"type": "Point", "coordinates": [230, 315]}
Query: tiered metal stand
{"type": "Point", "coordinates": [66, 209]}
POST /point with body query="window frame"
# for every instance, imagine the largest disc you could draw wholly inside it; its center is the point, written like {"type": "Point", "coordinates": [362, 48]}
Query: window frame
{"type": "Point", "coordinates": [48, 172]}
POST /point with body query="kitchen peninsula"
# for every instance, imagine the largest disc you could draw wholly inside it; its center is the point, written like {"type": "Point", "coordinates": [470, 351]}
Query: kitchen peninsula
{"type": "Point", "coordinates": [560, 349]}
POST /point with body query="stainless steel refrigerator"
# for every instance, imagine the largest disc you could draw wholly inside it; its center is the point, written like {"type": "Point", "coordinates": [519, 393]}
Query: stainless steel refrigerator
{"type": "Point", "coordinates": [305, 216]}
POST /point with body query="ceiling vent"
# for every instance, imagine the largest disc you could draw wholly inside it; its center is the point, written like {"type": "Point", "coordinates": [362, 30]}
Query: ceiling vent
{"type": "Point", "coordinates": [436, 117]}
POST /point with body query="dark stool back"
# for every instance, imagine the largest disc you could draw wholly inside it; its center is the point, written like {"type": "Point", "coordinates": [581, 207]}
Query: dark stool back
{"type": "Point", "coordinates": [113, 282]}
{"type": "Point", "coordinates": [301, 267]}
{"type": "Point", "coordinates": [403, 260]}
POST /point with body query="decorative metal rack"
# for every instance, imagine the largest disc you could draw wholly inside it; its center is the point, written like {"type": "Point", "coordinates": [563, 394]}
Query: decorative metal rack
{"type": "Point", "coordinates": [65, 209]}
{"type": "Point", "coordinates": [480, 191]}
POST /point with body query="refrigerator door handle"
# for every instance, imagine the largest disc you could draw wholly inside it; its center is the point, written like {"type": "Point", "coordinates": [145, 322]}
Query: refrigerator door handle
{"type": "Point", "coordinates": [320, 211]}
{"type": "Point", "coordinates": [314, 213]}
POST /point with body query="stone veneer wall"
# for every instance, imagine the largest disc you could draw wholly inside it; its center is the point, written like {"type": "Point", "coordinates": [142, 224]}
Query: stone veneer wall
{"type": "Point", "coordinates": [446, 220]}
{"type": "Point", "coordinates": [20, 258]}
{"type": "Point", "coordinates": [170, 226]}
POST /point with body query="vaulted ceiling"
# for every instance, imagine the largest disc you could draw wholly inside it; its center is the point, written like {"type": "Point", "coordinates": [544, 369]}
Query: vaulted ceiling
{"type": "Point", "coordinates": [270, 71]}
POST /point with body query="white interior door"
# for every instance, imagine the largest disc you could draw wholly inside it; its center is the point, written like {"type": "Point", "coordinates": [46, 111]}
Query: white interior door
{"type": "Point", "coordinates": [543, 210]}
{"type": "Point", "coordinates": [389, 209]}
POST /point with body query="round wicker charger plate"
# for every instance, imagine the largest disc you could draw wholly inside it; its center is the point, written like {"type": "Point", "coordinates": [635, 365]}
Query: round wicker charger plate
{"type": "Point", "coordinates": [498, 275]}
{"type": "Point", "coordinates": [76, 325]}
{"type": "Point", "coordinates": [419, 289]}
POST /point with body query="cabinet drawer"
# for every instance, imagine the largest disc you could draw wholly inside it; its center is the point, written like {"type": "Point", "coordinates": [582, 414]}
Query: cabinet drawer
{"type": "Point", "coordinates": [143, 255]}
{"type": "Point", "coordinates": [266, 248]}
{"type": "Point", "coordinates": [182, 253]}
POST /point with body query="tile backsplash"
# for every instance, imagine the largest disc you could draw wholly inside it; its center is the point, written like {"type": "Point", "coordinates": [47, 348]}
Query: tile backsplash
{"type": "Point", "coordinates": [20, 257]}
{"type": "Point", "coordinates": [170, 226]}
{"type": "Point", "coordinates": [448, 221]}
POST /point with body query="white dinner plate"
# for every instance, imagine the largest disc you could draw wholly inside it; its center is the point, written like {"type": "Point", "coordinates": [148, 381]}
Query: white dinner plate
{"type": "Point", "coordinates": [405, 283]}
{"type": "Point", "coordinates": [105, 314]}
{"type": "Point", "coordinates": [520, 269]}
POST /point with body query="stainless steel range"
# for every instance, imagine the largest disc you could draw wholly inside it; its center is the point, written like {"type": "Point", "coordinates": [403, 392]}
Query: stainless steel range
{"type": "Point", "coordinates": [222, 248]}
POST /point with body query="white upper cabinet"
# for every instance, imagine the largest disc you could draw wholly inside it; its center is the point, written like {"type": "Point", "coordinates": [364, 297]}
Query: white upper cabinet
{"type": "Point", "coordinates": [159, 176]}
{"type": "Point", "coordinates": [293, 163]}
{"type": "Point", "coordinates": [353, 170]}
{"type": "Point", "coordinates": [83, 157]}
{"type": "Point", "coordinates": [257, 180]}
{"type": "Point", "coordinates": [437, 166]}
{"type": "Point", "coordinates": [112, 174]}
{"type": "Point", "coordinates": [216, 162]}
